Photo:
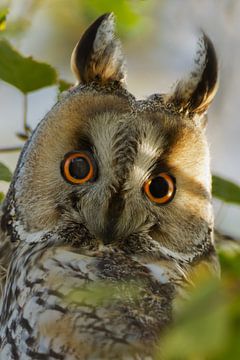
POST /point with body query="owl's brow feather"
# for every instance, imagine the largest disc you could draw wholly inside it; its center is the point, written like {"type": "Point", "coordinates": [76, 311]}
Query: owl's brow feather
{"type": "Point", "coordinates": [125, 147]}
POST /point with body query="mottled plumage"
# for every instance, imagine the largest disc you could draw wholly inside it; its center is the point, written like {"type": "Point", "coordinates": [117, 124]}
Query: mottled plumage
{"type": "Point", "coordinates": [58, 237]}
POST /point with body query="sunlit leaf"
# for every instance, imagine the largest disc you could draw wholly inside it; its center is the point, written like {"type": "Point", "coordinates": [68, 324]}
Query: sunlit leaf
{"type": "Point", "coordinates": [24, 73]}
{"type": "Point", "coordinates": [5, 173]}
{"type": "Point", "coordinates": [3, 18]}
{"type": "Point", "coordinates": [225, 190]}
{"type": "Point", "coordinates": [17, 27]}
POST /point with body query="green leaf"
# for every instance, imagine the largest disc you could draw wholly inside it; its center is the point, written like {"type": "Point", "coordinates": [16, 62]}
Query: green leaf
{"type": "Point", "coordinates": [103, 292]}
{"type": "Point", "coordinates": [5, 173]}
{"type": "Point", "coordinates": [1, 197]}
{"type": "Point", "coordinates": [3, 18]}
{"type": "Point", "coordinates": [207, 322]}
{"type": "Point", "coordinates": [129, 14]}
{"type": "Point", "coordinates": [201, 326]}
{"type": "Point", "coordinates": [230, 263]}
{"type": "Point", "coordinates": [64, 85]}
{"type": "Point", "coordinates": [24, 73]}
{"type": "Point", "coordinates": [225, 190]}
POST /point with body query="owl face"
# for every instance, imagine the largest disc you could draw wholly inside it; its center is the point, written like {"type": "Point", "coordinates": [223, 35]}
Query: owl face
{"type": "Point", "coordinates": [134, 174]}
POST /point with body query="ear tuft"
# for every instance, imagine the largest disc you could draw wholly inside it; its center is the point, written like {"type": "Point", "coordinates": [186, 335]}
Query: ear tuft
{"type": "Point", "coordinates": [98, 55]}
{"type": "Point", "coordinates": [195, 93]}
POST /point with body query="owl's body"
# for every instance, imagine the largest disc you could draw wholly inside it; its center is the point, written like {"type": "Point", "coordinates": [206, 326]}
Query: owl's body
{"type": "Point", "coordinates": [65, 235]}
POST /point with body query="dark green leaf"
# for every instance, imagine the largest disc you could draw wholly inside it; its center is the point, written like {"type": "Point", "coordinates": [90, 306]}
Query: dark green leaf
{"type": "Point", "coordinates": [3, 18]}
{"type": "Point", "coordinates": [22, 136]}
{"type": "Point", "coordinates": [1, 197]}
{"type": "Point", "coordinates": [64, 85]}
{"type": "Point", "coordinates": [225, 190]}
{"type": "Point", "coordinates": [22, 72]}
{"type": "Point", "coordinates": [5, 173]}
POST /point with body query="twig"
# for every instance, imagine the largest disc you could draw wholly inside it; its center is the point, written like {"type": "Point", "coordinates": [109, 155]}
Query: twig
{"type": "Point", "coordinates": [11, 149]}
{"type": "Point", "coordinates": [25, 112]}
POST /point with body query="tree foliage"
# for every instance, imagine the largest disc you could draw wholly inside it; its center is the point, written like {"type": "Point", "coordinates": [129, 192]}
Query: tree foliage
{"type": "Point", "coordinates": [207, 325]}
{"type": "Point", "coordinates": [5, 173]}
{"type": "Point", "coordinates": [3, 18]}
{"type": "Point", "coordinates": [226, 190]}
{"type": "Point", "coordinates": [24, 73]}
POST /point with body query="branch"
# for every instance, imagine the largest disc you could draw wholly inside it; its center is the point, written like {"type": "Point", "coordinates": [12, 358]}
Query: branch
{"type": "Point", "coordinates": [11, 149]}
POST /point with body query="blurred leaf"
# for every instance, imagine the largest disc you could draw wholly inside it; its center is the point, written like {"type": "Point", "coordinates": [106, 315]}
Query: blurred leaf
{"type": "Point", "coordinates": [200, 327]}
{"type": "Point", "coordinates": [5, 173]}
{"type": "Point", "coordinates": [230, 263]}
{"type": "Point", "coordinates": [23, 72]}
{"type": "Point", "coordinates": [22, 136]}
{"type": "Point", "coordinates": [207, 325]}
{"type": "Point", "coordinates": [1, 197]}
{"type": "Point", "coordinates": [3, 18]}
{"type": "Point", "coordinates": [17, 28]}
{"type": "Point", "coordinates": [129, 13]}
{"type": "Point", "coordinates": [64, 85]}
{"type": "Point", "coordinates": [103, 292]}
{"type": "Point", "coordinates": [225, 190]}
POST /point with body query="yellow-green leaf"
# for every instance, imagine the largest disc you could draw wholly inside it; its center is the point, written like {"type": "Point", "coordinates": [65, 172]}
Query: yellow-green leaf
{"type": "Point", "coordinates": [24, 73]}
{"type": "Point", "coordinates": [207, 323]}
{"type": "Point", "coordinates": [5, 173]}
{"type": "Point", "coordinates": [104, 292]}
{"type": "Point", "coordinates": [225, 190]}
{"type": "Point", "coordinates": [129, 15]}
{"type": "Point", "coordinates": [3, 18]}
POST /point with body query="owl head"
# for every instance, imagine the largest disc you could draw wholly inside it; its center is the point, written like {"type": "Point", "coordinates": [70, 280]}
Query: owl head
{"type": "Point", "coordinates": [105, 168]}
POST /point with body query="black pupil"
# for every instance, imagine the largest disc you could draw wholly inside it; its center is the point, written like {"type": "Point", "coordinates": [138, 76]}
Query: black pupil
{"type": "Point", "coordinates": [159, 187]}
{"type": "Point", "coordinates": [79, 168]}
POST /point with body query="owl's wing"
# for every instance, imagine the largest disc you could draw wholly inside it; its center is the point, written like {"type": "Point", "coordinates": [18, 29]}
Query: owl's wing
{"type": "Point", "coordinates": [6, 251]}
{"type": "Point", "coordinates": [53, 305]}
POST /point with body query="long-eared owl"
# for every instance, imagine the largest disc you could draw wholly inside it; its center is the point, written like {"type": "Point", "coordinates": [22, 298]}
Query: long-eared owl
{"type": "Point", "coordinates": [108, 213]}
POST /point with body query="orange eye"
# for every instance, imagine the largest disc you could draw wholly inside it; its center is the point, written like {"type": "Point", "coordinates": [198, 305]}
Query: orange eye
{"type": "Point", "coordinates": [78, 167]}
{"type": "Point", "coordinates": [160, 189]}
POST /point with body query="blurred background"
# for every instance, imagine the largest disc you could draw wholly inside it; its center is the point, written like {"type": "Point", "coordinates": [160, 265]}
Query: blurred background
{"type": "Point", "coordinates": [159, 39]}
